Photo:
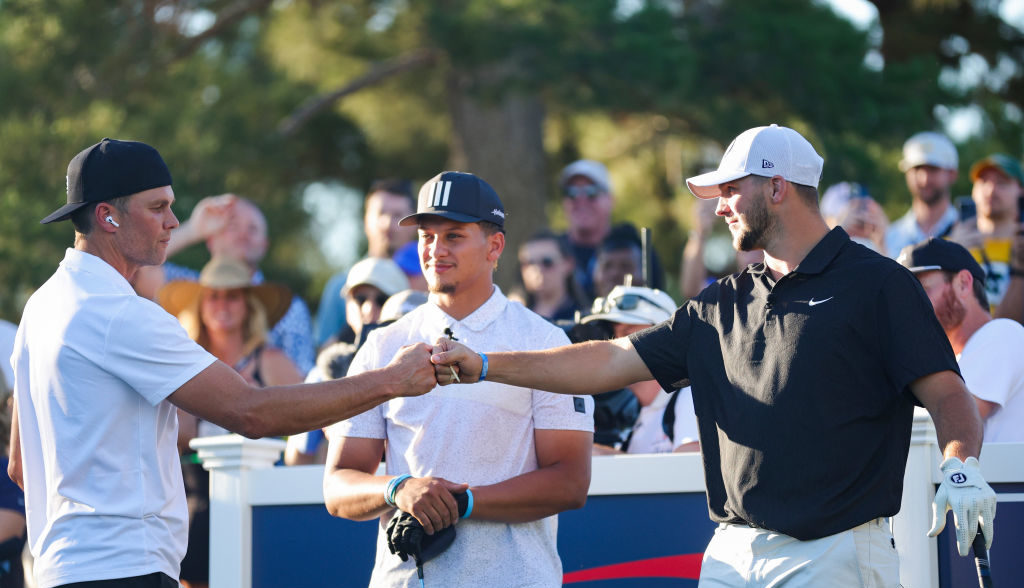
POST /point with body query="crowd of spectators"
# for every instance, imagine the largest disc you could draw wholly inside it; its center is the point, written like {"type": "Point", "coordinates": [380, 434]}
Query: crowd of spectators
{"type": "Point", "coordinates": [593, 281]}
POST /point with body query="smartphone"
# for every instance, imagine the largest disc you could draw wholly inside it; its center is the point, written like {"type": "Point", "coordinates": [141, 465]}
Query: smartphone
{"type": "Point", "coordinates": [1020, 208]}
{"type": "Point", "coordinates": [965, 207]}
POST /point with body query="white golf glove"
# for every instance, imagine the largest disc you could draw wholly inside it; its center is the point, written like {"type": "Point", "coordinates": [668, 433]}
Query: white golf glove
{"type": "Point", "coordinates": [966, 493]}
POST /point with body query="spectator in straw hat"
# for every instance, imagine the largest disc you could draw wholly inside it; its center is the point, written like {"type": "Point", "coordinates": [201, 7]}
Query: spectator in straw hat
{"type": "Point", "coordinates": [230, 317]}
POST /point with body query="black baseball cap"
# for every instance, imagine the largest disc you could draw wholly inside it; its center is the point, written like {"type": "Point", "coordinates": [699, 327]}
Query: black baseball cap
{"type": "Point", "coordinates": [460, 197]}
{"type": "Point", "coordinates": [111, 169]}
{"type": "Point", "coordinates": [940, 254]}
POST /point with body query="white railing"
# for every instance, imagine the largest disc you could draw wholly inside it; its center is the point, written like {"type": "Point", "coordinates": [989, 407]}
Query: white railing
{"type": "Point", "coordinates": [242, 476]}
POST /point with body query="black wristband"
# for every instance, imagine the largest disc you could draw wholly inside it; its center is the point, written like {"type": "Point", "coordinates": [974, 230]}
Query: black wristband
{"type": "Point", "coordinates": [1016, 272]}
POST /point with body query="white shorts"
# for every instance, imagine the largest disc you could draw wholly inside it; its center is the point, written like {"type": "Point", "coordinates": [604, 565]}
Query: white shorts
{"type": "Point", "coordinates": [863, 556]}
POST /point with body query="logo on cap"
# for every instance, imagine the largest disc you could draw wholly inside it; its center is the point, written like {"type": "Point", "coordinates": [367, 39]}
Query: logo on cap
{"type": "Point", "coordinates": [497, 212]}
{"type": "Point", "coordinates": [437, 195]}
{"type": "Point", "coordinates": [765, 164]}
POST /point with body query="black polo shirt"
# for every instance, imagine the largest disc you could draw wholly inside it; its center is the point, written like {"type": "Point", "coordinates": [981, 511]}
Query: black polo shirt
{"type": "Point", "coordinates": [801, 386]}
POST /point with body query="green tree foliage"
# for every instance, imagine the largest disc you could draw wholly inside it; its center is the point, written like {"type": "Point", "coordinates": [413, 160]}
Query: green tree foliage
{"type": "Point", "coordinates": [260, 98]}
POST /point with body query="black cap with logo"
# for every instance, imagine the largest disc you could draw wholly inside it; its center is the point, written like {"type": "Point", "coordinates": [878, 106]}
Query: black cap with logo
{"type": "Point", "coordinates": [111, 169]}
{"type": "Point", "coordinates": [460, 197]}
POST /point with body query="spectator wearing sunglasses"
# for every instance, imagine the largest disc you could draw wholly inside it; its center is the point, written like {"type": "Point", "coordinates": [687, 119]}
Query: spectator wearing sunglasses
{"type": "Point", "coordinates": [666, 422]}
{"type": "Point", "coordinates": [369, 284]}
{"type": "Point", "coordinates": [547, 270]}
{"type": "Point", "coordinates": [587, 200]}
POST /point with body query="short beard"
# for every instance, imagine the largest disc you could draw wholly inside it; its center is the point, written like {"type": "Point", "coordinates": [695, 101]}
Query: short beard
{"type": "Point", "coordinates": [950, 311]}
{"type": "Point", "coordinates": [443, 288]}
{"type": "Point", "coordinates": [760, 227]}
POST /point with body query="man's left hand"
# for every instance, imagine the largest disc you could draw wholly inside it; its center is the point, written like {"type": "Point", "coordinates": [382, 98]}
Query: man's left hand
{"type": "Point", "coordinates": [965, 492]}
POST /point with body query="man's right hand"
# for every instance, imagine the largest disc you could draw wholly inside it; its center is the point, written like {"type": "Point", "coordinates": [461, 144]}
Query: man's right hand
{"type": "Point", "coordinates": [448, 354]}
{"type": "Point", "coordinates": [430, 500]}
{"type": "Point", "coordinates": [411, 370]}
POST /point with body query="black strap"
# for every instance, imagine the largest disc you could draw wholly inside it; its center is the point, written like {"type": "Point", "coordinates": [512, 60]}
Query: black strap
{"type": "Point", "coordinates": [668, 419]}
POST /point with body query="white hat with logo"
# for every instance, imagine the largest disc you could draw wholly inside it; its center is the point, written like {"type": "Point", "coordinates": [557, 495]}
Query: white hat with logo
{"type": "Point", "coordinates": [763, 151]}
{"type": "Point", "coordinates": [929, 148]}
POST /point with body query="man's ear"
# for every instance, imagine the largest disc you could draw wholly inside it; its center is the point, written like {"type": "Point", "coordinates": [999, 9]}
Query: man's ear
{"type": "Point", "coordinates": [100, 214]}
{"type": "Point", "coordinates": [495, 245]}
{"type": "Point", "coordinates": [963, 284]}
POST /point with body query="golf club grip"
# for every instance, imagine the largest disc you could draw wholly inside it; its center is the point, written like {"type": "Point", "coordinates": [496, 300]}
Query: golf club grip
{"type": "Point", "coordinates": [981, 561]}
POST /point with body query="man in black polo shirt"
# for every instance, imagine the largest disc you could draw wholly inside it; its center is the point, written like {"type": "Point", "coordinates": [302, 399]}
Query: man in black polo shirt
{"type": "Point", "coordinates": [805, 372]}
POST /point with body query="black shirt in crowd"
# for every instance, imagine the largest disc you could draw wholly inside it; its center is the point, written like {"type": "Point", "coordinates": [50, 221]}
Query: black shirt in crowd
{"type": "Point", "coordinates": [801, 386]}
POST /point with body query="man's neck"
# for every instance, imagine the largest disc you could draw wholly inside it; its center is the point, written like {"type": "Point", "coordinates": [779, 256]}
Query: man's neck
{"type": "Point", "coordinates": [997, 227]}
{"type": "Point", "coordinates": [103, 249]}
{"type": "Point", "coordinates": [973, 321]}
{"type": "Point", "coordinates": [463, 303]}
{"type": "Point", "coordinates": [588, 237]}
{"type": "Point", "coordinates": [928, 216]}
{"type": "Point", "coordinates": [795, 240]}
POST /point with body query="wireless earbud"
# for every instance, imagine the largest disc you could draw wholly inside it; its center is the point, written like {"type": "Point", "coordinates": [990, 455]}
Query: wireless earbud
{"type": "Point", "coordinates": [111, 220]}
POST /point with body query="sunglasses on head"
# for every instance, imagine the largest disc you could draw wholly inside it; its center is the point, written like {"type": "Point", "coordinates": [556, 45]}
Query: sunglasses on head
{"type": "Point", "coordinates": [544, 262]}
{"type": "Point", "coordinates": [627, 302]}
{"type": "Point", "coordinates": [590, 192]}
{"type": "Point", "coordinates": [379, 299]}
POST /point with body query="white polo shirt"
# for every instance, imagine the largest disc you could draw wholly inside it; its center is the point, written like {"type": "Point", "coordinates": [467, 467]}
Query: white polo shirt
{"type": "Point", "coordinates": [992, 369]}
{"type": "Point", "coordinates": [479, 433]}
{"type": "Point", "coordinates": [93, 364]}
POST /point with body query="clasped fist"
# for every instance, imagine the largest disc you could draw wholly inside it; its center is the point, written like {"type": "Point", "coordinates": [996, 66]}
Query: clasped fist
{"type": "Point", "coordinates": [431, 501]}
{"type": "Point", "coordinates": [411, 370]}
{"type": "Point", "coordinates": [455, 363]}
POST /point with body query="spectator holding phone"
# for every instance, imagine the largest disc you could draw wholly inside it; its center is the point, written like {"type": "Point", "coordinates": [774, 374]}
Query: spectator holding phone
{"type": "Point", "coordinates": [990, 232]}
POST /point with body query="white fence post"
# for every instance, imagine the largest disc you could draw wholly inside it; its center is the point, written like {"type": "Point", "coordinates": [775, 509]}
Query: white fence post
{"type": "Point", "coordinates": [919, 559]}
{"type": "Point", "coordinates": [229, 458]}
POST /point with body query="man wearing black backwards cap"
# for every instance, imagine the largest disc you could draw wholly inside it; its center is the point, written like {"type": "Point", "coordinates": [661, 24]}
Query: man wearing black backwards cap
{"type": "Point", "coordinates": [99, 371]}
{"type": "Point", "coordinates": [804, 369]}
{"type": "Point", "coordinates": [987, 349]}
{"type": "Point", "coordinates": [503, 458]}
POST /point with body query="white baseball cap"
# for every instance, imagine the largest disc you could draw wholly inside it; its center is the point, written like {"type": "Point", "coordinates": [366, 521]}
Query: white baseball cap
{"type": "Point", "coordinates": [633, 305]}
{"type": "Point", "coordinates": [762, 151]}
{"type": "Point", "coordinates": [383, 274]}
{"type": "Point", "coordinates": [929, 148]}
{"type": "Point", "coordinates": [588, 168]}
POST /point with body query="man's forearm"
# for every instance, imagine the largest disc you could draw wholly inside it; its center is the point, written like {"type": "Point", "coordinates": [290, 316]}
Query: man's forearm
{"type": "Point", "coordinates": [533, 495]}
{"type": "Point", "coordinates": [288, 410]}
{"type": "Point", "coordinates": [585, 368]}
{"type": "Point", "coordinates": [958, 426]}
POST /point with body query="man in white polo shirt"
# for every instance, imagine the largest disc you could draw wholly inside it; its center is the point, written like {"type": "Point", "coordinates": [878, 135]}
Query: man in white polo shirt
{"type": "Point", "coordinates": [98, 372]}
{"type": "Point", "coordinates": [514, 457]}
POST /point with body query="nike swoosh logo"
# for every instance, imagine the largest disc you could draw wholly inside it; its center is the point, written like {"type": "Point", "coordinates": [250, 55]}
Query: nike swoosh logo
{"type": "Point", "coordinates": [813, 302]}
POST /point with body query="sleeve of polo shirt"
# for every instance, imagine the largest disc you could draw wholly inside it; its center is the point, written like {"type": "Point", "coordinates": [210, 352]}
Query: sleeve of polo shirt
{"type": "Point", "coordinates": [911, 340]}
{"type": "Point", "coordinates": [561, 411]}
{"type": "Point", "coordinates": [149, 350]}
{"type": "Point", "coordinates": [369, 424]}
{"type": "Point", "coordinates": [663, 348]}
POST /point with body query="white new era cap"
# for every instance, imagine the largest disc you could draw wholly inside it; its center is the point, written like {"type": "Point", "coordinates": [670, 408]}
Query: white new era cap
{"type": "Point", "coordinates": [762, 151]}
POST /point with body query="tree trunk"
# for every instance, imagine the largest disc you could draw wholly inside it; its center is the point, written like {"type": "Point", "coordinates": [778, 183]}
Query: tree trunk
{"type": "Point", "coordinates": [500, 139]}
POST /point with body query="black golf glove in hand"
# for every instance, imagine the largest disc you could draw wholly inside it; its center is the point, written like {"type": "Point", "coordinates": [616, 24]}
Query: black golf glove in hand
{"type": "Point", "coordinates": [406, 536]}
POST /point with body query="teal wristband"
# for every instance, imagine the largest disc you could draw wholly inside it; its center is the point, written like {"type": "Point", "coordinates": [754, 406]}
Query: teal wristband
{"type": "Point", "coordinates": [392, 489]}
{"type": "Point", "coordinates": [469, 503]}
{"type": "Point", "coordinates": [483, 369]}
